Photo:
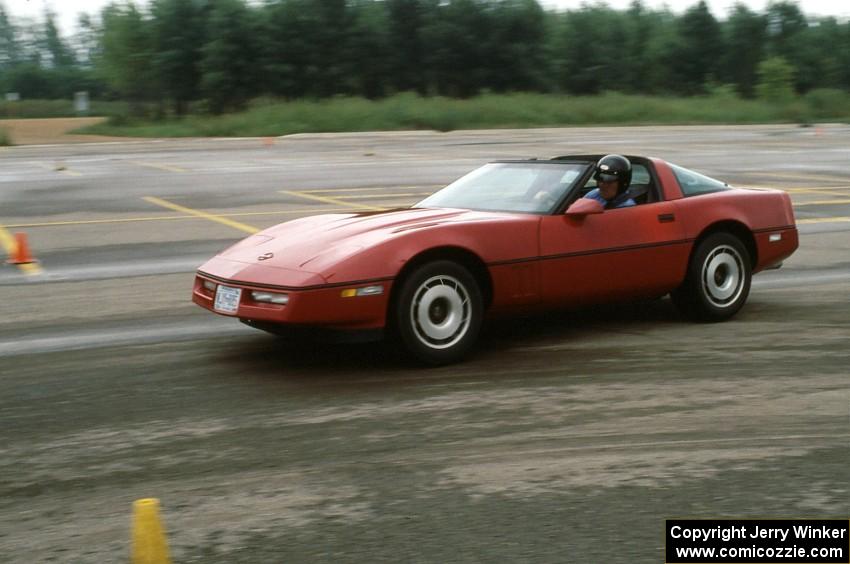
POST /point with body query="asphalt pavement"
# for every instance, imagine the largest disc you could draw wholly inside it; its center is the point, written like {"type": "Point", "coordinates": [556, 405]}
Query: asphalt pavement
{"type": "Point", "coordinates": [568, 437]}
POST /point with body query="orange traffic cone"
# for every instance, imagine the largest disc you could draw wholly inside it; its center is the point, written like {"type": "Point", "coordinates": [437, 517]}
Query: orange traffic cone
{"type": "Point", "coordinates": [21, 254]}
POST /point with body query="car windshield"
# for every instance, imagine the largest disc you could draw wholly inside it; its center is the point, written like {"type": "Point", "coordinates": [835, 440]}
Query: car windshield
{"type": "Point", "coordinates": [513, 187]}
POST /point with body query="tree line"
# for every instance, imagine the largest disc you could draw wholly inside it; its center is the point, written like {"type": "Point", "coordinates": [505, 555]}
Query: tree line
{"type": "Point", "coordinates": [215, 55]}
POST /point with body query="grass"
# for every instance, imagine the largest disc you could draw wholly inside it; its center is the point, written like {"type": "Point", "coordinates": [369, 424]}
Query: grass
{"type": "Point", "coordinates": [267, 117]}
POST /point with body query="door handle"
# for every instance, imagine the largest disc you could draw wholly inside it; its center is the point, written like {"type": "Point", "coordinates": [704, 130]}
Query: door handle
{"type": "Point", "coordinates": [666, 217]}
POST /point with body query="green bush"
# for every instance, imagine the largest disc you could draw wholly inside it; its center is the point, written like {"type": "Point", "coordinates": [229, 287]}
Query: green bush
{"type": "Point", "coordinates": [722, 91]}
{"type": "Point", "coordinates": [827, 103]}
{"type": "Point", "coordinates": [269, 117]}
{"type": "Point", "coordinates": [776, 80]}
{"type": "Point", "coordinates": [5, 139]}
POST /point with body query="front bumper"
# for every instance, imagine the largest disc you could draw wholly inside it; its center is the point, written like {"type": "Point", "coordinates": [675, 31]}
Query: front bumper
{"type": "Point", "coordinates": [318, 306]}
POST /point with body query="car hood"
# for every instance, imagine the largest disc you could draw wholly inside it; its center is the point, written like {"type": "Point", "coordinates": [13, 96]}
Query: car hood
{"type": "Point", "coordinates": [311, 244]}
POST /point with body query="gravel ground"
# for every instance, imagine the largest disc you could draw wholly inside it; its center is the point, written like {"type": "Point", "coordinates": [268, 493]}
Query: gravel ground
{"type": "Point", "coordinates": [52, 130]}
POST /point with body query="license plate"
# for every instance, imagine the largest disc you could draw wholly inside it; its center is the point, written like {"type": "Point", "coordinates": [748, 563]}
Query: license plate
{"type": "Point", "coordinates": [227, 299]}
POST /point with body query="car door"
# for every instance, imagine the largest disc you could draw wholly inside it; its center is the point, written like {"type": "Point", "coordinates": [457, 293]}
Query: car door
{"type": "Point", "coordinates": [618, 254]}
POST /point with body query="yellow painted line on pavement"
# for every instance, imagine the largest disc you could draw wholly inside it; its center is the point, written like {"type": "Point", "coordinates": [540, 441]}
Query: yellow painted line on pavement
{"type": "Point", "coordinates": [158, 166]}
{"type": "Point", "coordinates": [11, 247]}
{"type": "Point", "coordinates": [824, 220]}
{"type": "Point", "coordinates": [31, 269]}
{"type": "Point", "coordinates": [830, 191]}
{"type": "Point", "coordinates": [99, 221]}
{"type": "Point", "coordinates": [168, 218]}
{"type": "Point", "coordinates": [814, 191]}
{"type": "Point", "coordinates": [794, 192]}
{"type": "Point", "coordinates": [822, 203]}
{"type": "Point", "coordinates": [333, 201]}
{"type": "Point", "coordinates": [202, 214]}
{"type": "Point", "coordinates": [386, 196]}
{"type": "Point", "coordinates": [334, 190]}
{"type": "Point", "coordinates": [825, 189]}
{"type": "Point", "coordinates": [806, 176]}
{"type": "Point", "coordinates": [371, 189]}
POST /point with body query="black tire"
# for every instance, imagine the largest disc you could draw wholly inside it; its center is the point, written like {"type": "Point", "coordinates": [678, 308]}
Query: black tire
{"type": "Point", "coordinates": [718, 279]}
{"type": "Point", "coordinates": [437, 313]}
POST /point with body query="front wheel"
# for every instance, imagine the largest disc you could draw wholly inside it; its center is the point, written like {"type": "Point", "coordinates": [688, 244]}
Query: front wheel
{"type": "Point", "coordinates": [438, 312]}
{"type": "Point", "coordinates": [718, 279]}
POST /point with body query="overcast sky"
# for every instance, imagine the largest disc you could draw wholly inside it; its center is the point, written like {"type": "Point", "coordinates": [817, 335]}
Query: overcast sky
{"type": "Point", "coordinates": [67, 10]}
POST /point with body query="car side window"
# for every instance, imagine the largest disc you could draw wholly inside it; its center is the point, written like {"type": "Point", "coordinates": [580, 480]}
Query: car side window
{"type": "Point", "coordinates": [641, 184]}
{"type": "Point", "coordinates": [693, 183]}
{"type": "Point", "coordinates": [640, 175]}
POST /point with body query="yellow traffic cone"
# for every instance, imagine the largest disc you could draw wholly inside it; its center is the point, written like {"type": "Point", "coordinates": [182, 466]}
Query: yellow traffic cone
{"type": "Point", "coordinates": [149, 543]}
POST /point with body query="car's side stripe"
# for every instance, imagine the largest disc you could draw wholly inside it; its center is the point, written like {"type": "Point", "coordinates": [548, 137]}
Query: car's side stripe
{"type": "Point", "coordinates": [775, 229]}
{"type": "Point", "coordinates": [620, 249]}
{"type": "Point", "coordinates": [593, 252]}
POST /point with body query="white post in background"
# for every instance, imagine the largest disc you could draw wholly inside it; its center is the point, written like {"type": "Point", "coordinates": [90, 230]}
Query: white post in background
{"type": "Point", "coordinates": [81, 103]}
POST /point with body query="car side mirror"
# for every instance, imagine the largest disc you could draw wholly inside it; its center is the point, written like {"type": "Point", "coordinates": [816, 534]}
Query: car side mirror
{"type": "Point", "coordinates": [583, 207]}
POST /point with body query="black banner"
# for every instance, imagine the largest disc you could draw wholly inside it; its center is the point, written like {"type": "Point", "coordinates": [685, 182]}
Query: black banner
{"type": "Point", "coordinates": [759, 541]}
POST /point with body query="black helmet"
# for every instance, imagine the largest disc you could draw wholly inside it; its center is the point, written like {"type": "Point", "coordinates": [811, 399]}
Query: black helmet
{"type": "Point", "coordinates": [614, 167]}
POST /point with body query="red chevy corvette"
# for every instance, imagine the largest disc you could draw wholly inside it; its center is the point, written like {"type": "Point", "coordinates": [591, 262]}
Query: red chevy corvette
{"type": "Point", "coordinates": [511, 236]}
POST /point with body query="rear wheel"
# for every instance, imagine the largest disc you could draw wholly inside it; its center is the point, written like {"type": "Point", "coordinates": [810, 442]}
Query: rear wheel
{"type": "Point", "coordinates": [438, 313]}
{"type": "Point", "coordinates": [718, 279]}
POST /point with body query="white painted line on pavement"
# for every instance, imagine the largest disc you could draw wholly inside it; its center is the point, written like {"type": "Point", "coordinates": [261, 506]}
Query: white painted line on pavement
{"type": "Point", "coordinates": [122, 337]}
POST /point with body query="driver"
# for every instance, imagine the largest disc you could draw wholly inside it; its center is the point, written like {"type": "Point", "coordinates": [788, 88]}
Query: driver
{"type": "Point", "coordinates": [613, 176]}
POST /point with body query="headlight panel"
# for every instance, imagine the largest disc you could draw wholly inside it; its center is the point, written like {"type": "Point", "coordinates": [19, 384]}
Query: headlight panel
{"type": "Point", "coordinates": [270, 298]}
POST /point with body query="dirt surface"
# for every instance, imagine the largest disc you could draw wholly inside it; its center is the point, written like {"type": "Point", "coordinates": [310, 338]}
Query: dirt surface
{"type": "Point", "coordinates": [52, 130]}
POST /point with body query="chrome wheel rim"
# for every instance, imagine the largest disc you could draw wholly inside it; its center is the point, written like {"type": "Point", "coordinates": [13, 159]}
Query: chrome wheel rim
{"type": "Point", "coordinates": [440, 312]}
{"type": "Point", "coordinates": [723, 276]}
